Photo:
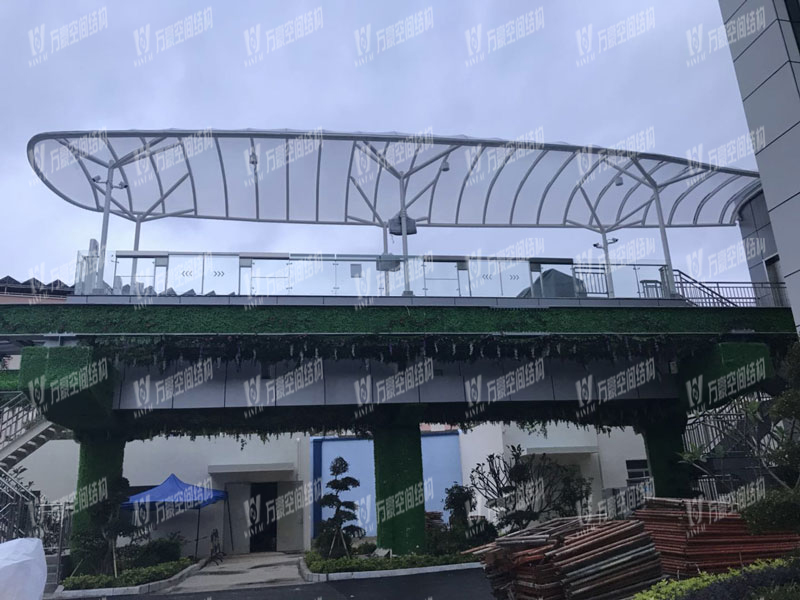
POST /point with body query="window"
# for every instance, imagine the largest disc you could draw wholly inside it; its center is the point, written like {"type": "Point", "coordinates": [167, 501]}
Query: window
{"type": "Point", "coordinates": [637, 469]}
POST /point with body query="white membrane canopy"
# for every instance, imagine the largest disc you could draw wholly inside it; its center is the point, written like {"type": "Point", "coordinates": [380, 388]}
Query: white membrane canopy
{"type": "Point", "coordinates": [287, 176]}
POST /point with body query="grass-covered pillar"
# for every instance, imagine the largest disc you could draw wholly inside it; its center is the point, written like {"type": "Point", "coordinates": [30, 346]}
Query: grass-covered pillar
{"type": "Point", "coordinates": [399, 486]}
{"type": "Point", "coordinates": [97, 500]}
{"type": "Point", "coordinates": [663, 441]}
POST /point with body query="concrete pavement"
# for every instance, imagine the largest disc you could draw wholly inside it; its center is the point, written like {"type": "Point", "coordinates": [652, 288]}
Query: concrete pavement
{"type": "Point", "coordinates": [457, 585]}
{"type": "Point", "coordinates": [261, 569]}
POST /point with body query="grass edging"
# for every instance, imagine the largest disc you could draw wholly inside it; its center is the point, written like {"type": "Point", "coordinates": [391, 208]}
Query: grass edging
{"type": "Point", "coordinates": [310, 577]}
{"type": "Point", "coordinates": [144, 588]}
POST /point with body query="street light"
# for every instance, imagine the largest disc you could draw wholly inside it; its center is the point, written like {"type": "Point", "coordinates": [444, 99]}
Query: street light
{"type": "Point", "coordinates": [120, 186]}
{"type": "Point", "coordinates": [604, 247]}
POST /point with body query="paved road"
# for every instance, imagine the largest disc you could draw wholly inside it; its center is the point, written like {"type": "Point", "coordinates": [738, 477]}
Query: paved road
{"type": "Point", "coordinates": [470, 584]}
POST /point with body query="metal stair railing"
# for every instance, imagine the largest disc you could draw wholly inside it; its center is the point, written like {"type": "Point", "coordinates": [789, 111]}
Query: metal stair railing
{"type": "Point", "coordinates": [708, 430]}
{"type": "Point", "coordinates": [17, 415]}
{"type": "Point", "coordinates": [18, 505]}
{"type": "Point", "coordinates": [698, 293]}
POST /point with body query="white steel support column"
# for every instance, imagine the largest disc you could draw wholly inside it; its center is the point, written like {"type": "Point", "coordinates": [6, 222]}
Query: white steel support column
{"type": "Point", "coordinates": [403, 227]}
{"type": "Point", "coordinates": [385, 252]}
{"type": "Point", "coordinates": [670, 274]}
{"type": "Point", "coordinates": [664, 243]}
{"type": "Point", "coordinates": [99, 284]}
{"type": "Point", "coordinates": [135, 249]}
{"type": "Point", "coordinates": [609, 278]}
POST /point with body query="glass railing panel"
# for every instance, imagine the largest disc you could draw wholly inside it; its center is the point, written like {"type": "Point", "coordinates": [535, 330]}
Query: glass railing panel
{"type": "Point", "coordinates": [648, 281]}
{"type": "Point", "coordinates": [220, 275]}
{"type": "Point", "coordinates": [515, 280]}
{"type": "Point", "coordinates": [484, 278]}
{"type": "Point", "coordinates": [185, 273]}
{"type": "Point", "coordinates": [140, 271]}
{"type": "Point", "coordinates": [270, 277]}
{"type": "Point", "coordinates": [440, 279]}
{"type": "Point", "coordinates": [557, 281]}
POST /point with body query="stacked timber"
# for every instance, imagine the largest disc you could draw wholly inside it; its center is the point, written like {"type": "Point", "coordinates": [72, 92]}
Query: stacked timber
{"type": "Point", "coordinates": [565, 558]}
{"type": "Point", "coordinates": [698, 535]}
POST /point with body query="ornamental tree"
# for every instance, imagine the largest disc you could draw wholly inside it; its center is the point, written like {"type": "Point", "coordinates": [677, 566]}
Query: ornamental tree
{"type": "Point", "coordinates": [526, 487]}
{"type": "Point", "coordinates": [336, 536]}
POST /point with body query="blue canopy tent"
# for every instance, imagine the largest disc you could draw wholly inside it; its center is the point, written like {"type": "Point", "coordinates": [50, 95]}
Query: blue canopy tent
{"type": "Point", "coordinates": [178, 495]}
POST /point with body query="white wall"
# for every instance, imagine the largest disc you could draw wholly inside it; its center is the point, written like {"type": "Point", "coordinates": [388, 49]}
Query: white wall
{"type": "Point", "coordinates": [475, 445]}
{"type": "Point", "coordinates": [620, 445]}
{"type": "Point", "coordinates": [53, 468]}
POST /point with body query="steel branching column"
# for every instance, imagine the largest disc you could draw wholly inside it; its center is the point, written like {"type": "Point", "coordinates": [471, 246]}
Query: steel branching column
{"type": "Point", "coordinates": [399, 486]}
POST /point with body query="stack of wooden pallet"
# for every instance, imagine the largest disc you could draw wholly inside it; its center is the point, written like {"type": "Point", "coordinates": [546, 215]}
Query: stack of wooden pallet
{"type": "Point", "coordinates": [565, 558]}
{"type": "Point", "coordinates": [695, 535]}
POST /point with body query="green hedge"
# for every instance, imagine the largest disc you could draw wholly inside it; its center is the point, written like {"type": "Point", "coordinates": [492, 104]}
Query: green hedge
{"type": "Point", "coordinates": [736, 583]}
{"type": "Point", "coordinates": [317, 564]}
{"type": "Point", "coordinates": [127, 578]}
{"type": "Point", "coordinates": [86, 319]}
{"type": "Point", "coordinates": [779, 510]}
{"type": "Point", "coordinates": [9, 381]}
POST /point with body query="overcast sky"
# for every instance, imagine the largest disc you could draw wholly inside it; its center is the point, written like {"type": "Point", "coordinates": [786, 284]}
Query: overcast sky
{"type": "Point", "coordinates": [542, 80]}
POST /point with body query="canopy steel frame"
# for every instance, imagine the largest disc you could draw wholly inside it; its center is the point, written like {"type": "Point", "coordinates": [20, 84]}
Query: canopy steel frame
{"type": "Point", "coordinates": [608, 209]}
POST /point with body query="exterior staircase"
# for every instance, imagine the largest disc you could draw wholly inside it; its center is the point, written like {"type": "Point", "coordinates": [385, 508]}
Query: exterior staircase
{"type": "Point", "coordinates": [23, 512]}
{"type": "Point", "coordinates": [697, 293]}
{"type": "Point", "coordinates": [717, 434]}
{"type": "Point", "coordinates": [23, 430]}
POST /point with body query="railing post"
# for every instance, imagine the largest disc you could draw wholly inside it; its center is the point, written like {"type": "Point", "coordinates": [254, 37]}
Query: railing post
{"type": "Point", "coordinates": [99, 284]}
{"type": "Point", "coordinates": [404, 231]}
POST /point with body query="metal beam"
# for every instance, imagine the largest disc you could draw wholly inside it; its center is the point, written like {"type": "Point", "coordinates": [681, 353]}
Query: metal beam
{"type": "Point", "coordinates": [494, 179]}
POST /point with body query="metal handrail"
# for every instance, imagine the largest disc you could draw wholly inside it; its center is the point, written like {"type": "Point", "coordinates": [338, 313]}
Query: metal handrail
{"type": "Point", "coordinates": [17, 416]}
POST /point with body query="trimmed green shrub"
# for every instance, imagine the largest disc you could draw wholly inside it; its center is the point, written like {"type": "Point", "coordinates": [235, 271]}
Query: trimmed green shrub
{"type": "Point", "coordinates": [779, 510]}
{"type": "Point", "coordinates": [784, 592]}
{"type": "Point", "coordinates": [154, 552]}
{"type": "Point", "coordinates": [365, 548]}
{"type": "Point", "coordinates": [736, 583]}
{"type": "Point", "coordinates": [127, 578]}
{"type": "Point", "coordinates": [317, 564]}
